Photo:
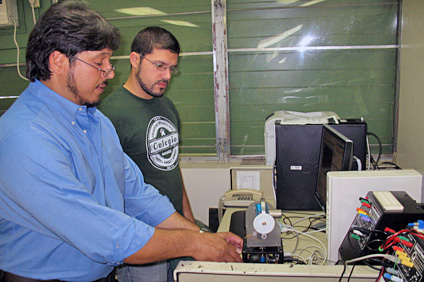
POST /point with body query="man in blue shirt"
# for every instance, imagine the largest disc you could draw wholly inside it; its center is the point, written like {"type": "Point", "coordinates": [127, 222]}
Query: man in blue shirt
{"type": "Point", "coordinates": [72, 204]}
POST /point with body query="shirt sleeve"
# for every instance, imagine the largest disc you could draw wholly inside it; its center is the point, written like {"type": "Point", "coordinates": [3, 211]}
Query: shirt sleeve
{"type": "Point", "coordinates": [144, 201]}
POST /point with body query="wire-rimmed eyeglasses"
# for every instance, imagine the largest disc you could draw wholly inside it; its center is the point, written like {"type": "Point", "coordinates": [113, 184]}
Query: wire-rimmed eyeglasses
{"type": "Point", "coordinates": [162, 67]}
{"type": "Point", "coordinates": [105, 72]}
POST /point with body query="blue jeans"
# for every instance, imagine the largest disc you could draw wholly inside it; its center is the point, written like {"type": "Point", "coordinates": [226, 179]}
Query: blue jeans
{"type": "Point", "coordinates": [153, 272]}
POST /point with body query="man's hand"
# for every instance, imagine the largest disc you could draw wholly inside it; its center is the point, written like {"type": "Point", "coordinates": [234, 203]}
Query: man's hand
{"type": "Point", "coordinates": [219, 247]}
{"type": "Point", "coordinates": [232, 239]}
{"type": "Point", "coordinates": [178, 237]}
{"type": "Point", "coordinates": [166, 244]}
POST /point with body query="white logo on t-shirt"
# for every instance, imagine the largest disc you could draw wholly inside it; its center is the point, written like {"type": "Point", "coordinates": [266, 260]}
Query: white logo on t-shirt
{"type": "Point", "coordinates": [162, 143]}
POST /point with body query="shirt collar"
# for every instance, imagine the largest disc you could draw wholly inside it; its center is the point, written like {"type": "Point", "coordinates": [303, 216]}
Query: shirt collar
{"type": "Point", "coordinates": [67, 108]}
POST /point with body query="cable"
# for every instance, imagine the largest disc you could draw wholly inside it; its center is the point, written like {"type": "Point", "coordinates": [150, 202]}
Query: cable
{"type": "Point", "coordinates": [286, 229]}
{"type": "Point", "coordinates": [380, 148]}
{"type": "Point", "coordinates": [362, 232]}
{"type": "Point", "coordinates": [394, 239]}
{"type": "Point", "coordinates": [380, 274]}
{"type": "Point", "coordinates": [319, 250]}
{"type": "Point", "coordinates": [32, 4]}
{"type": "Point", "coordinates": [369, 152]}
{"type": "Point", "coordinates": [358, 162]}
{"type": "Point", "coordinates": [312, 219]}
{"type": "Point", "coordinates": [384, 256]}
{"type": "Point", "coordinates": [388, 257]}
{"type": "Point", "coordinates": [344, 270]}
{"type": "Point", "coordinates": [350, 275]}
{"type": "Point", "coordinates": [33, 14]}
{"type": "Point", "coordinates": [274, 182]}
{"type": "Point", "coordinates": [323, 249]}
{"type": "Point", "coordinates": [293, 258]}
{"type": "Point", "coordinates": [17, 49]}
{"type": "Point", "coordinates": [391, 163]}
{"type": "Point", "coordinates": [315, 231]}
{"type": "Point", "coordinates": [319, 215]}
{"type": "Point", "coordinates": [220, 208]}
{"type": "Point", "coordinates": [15, 26]}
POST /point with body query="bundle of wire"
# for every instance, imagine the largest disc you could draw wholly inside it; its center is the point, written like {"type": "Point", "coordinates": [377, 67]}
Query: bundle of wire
{"type": "Point", "coordinates": [391, 245]}
{"type": "Point", "coordinates": [317, 253]}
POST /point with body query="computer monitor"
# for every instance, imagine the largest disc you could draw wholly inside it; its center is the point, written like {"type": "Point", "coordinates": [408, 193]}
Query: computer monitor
{"type": "Point", "coordinates": [336, 155]}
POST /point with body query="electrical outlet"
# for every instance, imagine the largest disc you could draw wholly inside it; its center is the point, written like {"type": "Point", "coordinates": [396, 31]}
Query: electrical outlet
{"type": "Point", "coordinates": [36, 3]}
{"type": "Point", "coordinates": [8, 13]}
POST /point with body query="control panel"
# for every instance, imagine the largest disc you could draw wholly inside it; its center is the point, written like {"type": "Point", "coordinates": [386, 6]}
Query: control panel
{"type": "Point", "coordinates": [377, 211]}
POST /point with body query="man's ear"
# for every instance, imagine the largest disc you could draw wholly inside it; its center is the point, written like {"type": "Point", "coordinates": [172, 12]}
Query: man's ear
{"type": "Point", "coordinates": [135, 59]}
{"type": "Point", "coordinates": [58, 63]}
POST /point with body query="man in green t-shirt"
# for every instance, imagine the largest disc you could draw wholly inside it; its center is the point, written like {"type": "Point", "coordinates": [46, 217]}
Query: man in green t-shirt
{"type": "Point", "coordinates": [148, 126]}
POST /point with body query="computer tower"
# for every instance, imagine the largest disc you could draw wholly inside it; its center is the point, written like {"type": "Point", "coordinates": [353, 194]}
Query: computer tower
{"type": "Point", "coordinates": [297, 160]}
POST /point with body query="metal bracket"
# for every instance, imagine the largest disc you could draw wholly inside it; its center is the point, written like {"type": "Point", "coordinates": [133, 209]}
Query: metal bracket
{"type": "Point", "coordinates": [219, 3]}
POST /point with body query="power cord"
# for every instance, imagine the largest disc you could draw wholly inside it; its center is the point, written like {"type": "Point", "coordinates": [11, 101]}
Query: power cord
{"type": "Point", "coordinates": [380, 148]}
{"type": "Point", "coordinates": [322, 252]}
{"type": "Point", "coordinates": [34, 4]}
{"type": "Point", "coordinates": [384, 256]}
{"type": "Point", "coordinates": [15, 25]}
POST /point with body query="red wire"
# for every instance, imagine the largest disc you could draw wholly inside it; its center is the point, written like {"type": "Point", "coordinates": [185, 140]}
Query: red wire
{"type": "Point", "coordinates": [389, 241]}
{"type": "Point", "coordinates": [380, 275]}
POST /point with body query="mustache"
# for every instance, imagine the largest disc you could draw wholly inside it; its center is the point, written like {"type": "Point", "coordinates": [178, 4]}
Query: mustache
{"type": "Point", "coordinates": [162, 80]}
{"type": "Point", "coordinates": [104, 83]}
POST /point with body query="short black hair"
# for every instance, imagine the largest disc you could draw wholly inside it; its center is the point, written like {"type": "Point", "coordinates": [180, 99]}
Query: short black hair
{"type": "Point", "coordinates": [154, 37]}
{"type": "Point", "coordinates": [69, 27]}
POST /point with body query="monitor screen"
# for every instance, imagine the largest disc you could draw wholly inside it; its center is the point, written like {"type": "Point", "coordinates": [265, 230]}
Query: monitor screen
{"type": "Point", "coordinates": [336, 155]}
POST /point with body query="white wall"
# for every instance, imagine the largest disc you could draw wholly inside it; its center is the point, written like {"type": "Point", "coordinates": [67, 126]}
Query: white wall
{"type": "Point", "coordinates": [206, 182]}
{"type": "Point", "coordinates": [410, 150]}
{"type": "Point", "coordinates": [204, 186]}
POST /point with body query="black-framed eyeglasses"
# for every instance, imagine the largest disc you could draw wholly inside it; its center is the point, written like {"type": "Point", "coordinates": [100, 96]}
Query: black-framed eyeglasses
{"type": "Point", "coordinates": [105, 72]}
{"type": "Point", "coordinates": [162, 67]}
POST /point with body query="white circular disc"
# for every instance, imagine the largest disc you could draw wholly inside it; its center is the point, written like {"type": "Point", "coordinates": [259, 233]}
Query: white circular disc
{"type": "Point", "coordinates": [264, 223]}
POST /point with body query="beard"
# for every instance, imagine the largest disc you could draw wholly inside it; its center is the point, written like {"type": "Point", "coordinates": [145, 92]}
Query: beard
{"type": "Point", "coordinates": [72, 86]}
{"type": "Point", "coordinates": [148, 90]}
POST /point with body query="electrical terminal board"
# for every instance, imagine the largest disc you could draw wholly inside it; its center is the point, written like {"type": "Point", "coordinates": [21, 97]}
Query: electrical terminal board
{"type": "Point", "coordinates": [414, 271]}
{"type": "Point", "coordinates": [378, 210]}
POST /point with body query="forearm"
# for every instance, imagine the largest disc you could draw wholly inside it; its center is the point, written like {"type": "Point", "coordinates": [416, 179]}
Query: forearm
{"type": "Point", "coordinates": [164, 244]}
{"type": "Point", "coordinates": [176, 221]}
{"type": "Point", "coordinates": [168, 241]}
{"type": "Point", "coordinates": [167, 244]}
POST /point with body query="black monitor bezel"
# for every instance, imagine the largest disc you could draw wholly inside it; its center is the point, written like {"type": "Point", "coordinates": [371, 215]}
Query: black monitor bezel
{"type": "Point", "coordinates": [329, 133]}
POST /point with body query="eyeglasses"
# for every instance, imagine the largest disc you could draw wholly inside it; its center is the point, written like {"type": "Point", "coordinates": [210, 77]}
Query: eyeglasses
{"type": "Point", "coordinates": [105, 72]}
{"type": "Point", "coordinates": [162, 67]}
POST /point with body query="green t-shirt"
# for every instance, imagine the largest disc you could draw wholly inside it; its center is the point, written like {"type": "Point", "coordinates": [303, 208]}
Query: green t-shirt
{"type": "Point", "coordinates": [149, 134]}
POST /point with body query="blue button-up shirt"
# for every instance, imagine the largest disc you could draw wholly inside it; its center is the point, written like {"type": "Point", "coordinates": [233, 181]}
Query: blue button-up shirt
{"type": "Point", "coordinates": [72, 204]}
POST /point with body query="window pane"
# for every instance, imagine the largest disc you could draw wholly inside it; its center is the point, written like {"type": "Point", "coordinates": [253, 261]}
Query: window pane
{"type": "Point", "coordinates": [349, 67]}
{"type": "Point", "coordinates": [191, 89]}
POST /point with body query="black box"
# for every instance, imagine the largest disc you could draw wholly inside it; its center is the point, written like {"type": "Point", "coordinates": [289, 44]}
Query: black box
{"type": "Point", "coordinates": [297, 160]}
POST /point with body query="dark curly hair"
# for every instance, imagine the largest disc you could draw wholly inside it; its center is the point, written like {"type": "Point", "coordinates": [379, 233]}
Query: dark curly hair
{"type": "Point", "coordinates": [154, 37]}
{"type": "Point", "coordinates": [69, 27]}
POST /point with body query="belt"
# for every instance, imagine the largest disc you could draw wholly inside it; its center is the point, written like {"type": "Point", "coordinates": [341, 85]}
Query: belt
{"type": "Point", "coordinates": [10, 277]}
